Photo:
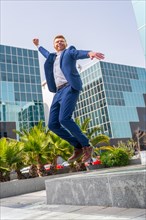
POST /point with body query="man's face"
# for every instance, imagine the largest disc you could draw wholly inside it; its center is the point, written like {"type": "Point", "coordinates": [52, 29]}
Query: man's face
{"type": "Point", "coordinates": [59, 44]}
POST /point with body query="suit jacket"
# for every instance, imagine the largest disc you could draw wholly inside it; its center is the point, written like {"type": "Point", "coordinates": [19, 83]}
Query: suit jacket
{"type": "Point", "coordinates": [67, 64]}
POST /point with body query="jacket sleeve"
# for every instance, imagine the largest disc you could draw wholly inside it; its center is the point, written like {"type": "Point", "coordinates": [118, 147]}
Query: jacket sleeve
{"type": "Point", "coordinates": [44, 52]}
{"type": "Point", "coordinates": [78, 54]}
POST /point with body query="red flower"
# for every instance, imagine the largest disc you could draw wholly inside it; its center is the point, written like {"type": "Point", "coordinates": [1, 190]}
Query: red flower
{"type": "Point", "coordinates": [96, 162]}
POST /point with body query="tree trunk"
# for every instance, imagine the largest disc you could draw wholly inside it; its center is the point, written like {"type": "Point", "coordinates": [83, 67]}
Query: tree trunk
{"type": "Point", "coordinates": [33, 171]}
{"type": "Point", "coordinates": [55, 161]}
{"type": "Point", "coordinates": [54, 165]}
{"type": "Point", "coordinates": [1, 176]}
{"type": "Point", "coordinates": [19, 174]}
{"type": "Point", "coordinates": [6, 176]}
{"type": "Point", "coordinates": [41, 171]}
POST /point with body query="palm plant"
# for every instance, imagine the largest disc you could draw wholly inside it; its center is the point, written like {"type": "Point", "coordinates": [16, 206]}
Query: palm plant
{"type": "Point", "coordinates": [58, 147]}
{"type": "Point", "coordinates": [85, 125]}
{"type": "Point", "coordinates": [11, 153]}
{"type": "Point", "coordinates": [95, 140]}
{"type": "Point", "coordinates": [4, 168]}
{"type": "Point", "coordinates": [18, 163]}
{"type": "Point", "coordinates": [35, 148]}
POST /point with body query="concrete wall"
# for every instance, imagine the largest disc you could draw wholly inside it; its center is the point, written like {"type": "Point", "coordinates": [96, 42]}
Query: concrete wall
{"type": "Point", "coordinates": [126, 190]}
{"type": "Point", "coordinates": [18, 187]}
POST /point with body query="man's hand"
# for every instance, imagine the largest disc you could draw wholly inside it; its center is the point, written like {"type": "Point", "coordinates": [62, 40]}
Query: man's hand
{"type": "Point", "coordinates": [99, 56]}
{"type": "Point", "coordinates": [36, 41]}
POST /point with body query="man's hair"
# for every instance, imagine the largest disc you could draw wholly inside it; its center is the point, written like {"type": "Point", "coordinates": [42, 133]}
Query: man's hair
{"type": "Point", "coordinates": [59, 36]}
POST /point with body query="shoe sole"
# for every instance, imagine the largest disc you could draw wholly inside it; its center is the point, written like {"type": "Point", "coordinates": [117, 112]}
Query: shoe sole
{"type": "Point", "coordinates": [73, 160]}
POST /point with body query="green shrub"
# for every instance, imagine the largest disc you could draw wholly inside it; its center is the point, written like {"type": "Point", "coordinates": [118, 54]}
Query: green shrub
{"type": "Point", "coordinates": [129, 147]}
{"type": "Point", "coordinates": [117, 157]}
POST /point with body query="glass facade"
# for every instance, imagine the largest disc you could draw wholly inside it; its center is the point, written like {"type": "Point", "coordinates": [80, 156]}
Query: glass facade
{"type": "Point", "coordinates": [139, 7]}
{"type": "Point", "coordinates": [21, 102]}
{"type": "Point", "coordinates": [111, 96]}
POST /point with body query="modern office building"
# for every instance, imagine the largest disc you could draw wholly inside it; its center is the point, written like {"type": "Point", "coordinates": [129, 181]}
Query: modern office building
{"type": "Point", "coordinates": [139, 7]}
{"type": "Point", "coordinates": [114, 97]}
{"type": "Point", "coordinates": [21, 103]}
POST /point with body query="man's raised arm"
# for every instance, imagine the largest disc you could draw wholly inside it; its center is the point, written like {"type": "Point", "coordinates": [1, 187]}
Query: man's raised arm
{"type": "Point", "coordinates": [42, 50]}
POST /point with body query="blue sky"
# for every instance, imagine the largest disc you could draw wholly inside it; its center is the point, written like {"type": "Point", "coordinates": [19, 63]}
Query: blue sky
{"type": "Point", "coordinates": [103, 26]}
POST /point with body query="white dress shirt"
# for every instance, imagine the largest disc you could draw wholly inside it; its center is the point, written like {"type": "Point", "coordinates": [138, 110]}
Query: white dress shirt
{"type": "Point", "coordinates": [58, 74]}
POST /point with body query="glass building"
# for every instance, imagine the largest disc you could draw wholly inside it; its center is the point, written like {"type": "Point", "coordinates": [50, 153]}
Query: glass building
{"type": "Point", "coordinates": [114, 97]}
{"type": "Point", "coordinates": [21, 103]}
{"type": "Point", "coordinates": [139, 7]}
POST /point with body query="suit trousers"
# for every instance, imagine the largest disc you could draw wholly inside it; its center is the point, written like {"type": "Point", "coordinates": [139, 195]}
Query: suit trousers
{"type": "Point", "coordinates": [60, 118]}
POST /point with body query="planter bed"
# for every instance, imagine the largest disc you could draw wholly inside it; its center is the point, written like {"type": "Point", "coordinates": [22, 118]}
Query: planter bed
{"type": "Point", "coordinates": [18, 187]}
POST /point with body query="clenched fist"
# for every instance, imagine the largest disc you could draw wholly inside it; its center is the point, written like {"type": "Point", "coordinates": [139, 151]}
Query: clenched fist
{"type": "Point", "coordinates": [36, 41]}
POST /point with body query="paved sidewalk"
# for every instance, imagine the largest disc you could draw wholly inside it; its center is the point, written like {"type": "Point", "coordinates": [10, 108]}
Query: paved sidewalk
{"type": "Point", "coordinates": [33, 206]}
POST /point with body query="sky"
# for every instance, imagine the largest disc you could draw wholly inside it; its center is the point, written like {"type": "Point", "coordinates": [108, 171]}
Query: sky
{"type": "Point", "coordinates": [102, 26]}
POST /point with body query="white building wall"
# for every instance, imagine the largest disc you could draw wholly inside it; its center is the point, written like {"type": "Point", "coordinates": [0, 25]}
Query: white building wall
{"type": "Point", "coordinates": [47, 99]}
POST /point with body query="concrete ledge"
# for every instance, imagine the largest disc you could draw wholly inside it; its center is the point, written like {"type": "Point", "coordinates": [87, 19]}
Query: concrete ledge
{"type": "Point", "coordinates": [125, 189]}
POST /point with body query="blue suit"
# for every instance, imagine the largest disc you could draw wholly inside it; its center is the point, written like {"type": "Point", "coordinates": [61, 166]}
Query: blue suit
{"type": "Point", "coordinates": [64, 101]}
{"type": "Point", "coordinates": [67, 64]}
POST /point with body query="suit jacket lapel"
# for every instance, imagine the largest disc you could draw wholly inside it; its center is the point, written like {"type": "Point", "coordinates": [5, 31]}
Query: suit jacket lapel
{"type": "Point", "coordinates": [61, 57]}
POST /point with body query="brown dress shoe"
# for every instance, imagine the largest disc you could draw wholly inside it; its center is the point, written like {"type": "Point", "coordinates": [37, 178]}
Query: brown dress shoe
{"type": "Point", "coordinates": [76, 155]}
{"type": "Point", "coordinates": [87, 153]}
